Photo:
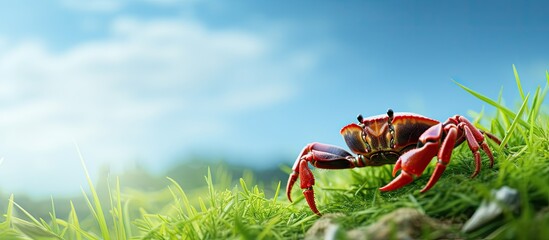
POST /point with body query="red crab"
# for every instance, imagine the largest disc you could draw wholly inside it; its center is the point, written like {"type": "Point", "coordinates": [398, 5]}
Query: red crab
{"type": "Point", "coordinates": [407, 139]}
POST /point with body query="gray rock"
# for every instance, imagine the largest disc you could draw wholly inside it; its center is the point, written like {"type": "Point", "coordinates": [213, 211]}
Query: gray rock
{"type": "Point", "coordinates": [489, 210]}
{"type": "Point", "coordinates": [324, 228]}
{"type": "Point", "coordinates": [403, 223]}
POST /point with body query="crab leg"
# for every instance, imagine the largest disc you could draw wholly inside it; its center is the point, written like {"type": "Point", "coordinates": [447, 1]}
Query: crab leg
{"type": "Point", "coordinates": [414, 162]}
{"type": "Point", "coordinates": [443, 158]}
{"type": "Point", "coordinates": [441, 139]}
{"type": "Point", "coordinates": [475, 140]}
{"type": "Point", "coordinates": [321, 156]}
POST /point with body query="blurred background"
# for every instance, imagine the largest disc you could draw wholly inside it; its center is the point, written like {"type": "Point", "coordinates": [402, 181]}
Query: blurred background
{"type": "Point", "coordinates": [155, 88]}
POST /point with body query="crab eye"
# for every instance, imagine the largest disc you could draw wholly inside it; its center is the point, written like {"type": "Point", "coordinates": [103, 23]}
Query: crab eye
{"type": "Point", "coordinates": [352, 134]}
{"type": "Point", "coordinates": [359, 118]}
{"type": "Point", "coordinates": [390, 113]}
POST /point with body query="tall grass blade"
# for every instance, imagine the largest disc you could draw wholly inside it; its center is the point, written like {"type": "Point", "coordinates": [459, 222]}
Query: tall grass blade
{"type": "Point", "coordinates": [34, 220]}
{"type": "Point", "coordinates": [116, 212]}
{"type": "Point", "coordinates": [533, 115]}
{"type": "Point", "coordinates": [502, 115]}
{"type": "Point", "coordinates": [515, 121]}
{"type": "Point", "coordinates": [211, 190]}
{"type": "Point", "coordinates": [191, 211]}
{"type": "Point", "coordinates": [74, 224]}
{"type": "Point", "coordinates": [55, 226]}
{"type": "Point", "coordinates": [504, 123]}
{"type": "Point", "coordinates": [519, 85]}
{"type": "Point", "coordinates": [545, 89]}
{"type": "Point", "coordinates": [502, 108]}
{"type": "Point", "coordinates": [6, 228]}
{"type": "Point", "coordinates": [34, 229]}
{"type": "Point", "coordinates": [127, 219]}
{"type": "Point", "coordinates": [116, 231]}
{"type": "Point", "coordinates": [9, 211]}
{"type": "Point", "coordinates": [97, 208]}
{"type": "Point", "coordinates": [277, 192]}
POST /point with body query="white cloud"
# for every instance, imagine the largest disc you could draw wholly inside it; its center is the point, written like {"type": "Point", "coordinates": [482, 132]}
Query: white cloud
{"type": "Point", "coordinates": [116, 5]}
{"type": "Point", "coordinates": [94, 5]}
{"type": "Point", "coordinates": [149, 90]}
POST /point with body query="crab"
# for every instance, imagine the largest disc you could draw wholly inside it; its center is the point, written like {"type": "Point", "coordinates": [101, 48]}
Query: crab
{"type": "Point", "coordinates": [408, 140]}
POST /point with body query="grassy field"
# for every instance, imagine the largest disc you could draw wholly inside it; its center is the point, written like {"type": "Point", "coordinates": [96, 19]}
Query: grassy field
{"type": "Point", "coordinates": [224, 209]}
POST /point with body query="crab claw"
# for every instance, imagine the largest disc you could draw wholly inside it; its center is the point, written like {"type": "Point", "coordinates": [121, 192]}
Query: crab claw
{"type": "Point", "coordinates": [397, 167]}
{"type": "Point", "coordinates": [411, 165]}
{"type": "Point", "coordinates": [309, 194]}
{"type": "Point", "coordinates": [402, 180]}
{"type": "Point", "coordinates": [321, 156]}
{"type": "Point", "coordinates": [291, 182]}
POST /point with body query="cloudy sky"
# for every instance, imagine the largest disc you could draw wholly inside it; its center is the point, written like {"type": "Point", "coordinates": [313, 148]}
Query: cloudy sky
{"type": "Point", "coordinates": [156, 81]}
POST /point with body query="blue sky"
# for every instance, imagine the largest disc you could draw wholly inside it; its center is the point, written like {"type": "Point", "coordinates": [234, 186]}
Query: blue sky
{"type": "Point", "coordinates": [156, 81]}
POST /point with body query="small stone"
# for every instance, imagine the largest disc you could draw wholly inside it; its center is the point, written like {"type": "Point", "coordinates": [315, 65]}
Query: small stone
{"type": "Point", "coordinates": [403, 223]}
{"type": "Point", "coordinates": [324, 228]}
{"type": "Point", "coordinates": [505, 197]}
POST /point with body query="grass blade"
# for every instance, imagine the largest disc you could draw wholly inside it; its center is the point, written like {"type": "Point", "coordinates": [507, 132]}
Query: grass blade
{"type": "Point", "coordinates": [100, 216]}
{"type": "Point", "coordinates": [9, 211]}
{"type": "Point", "coordinates": [517, 79]}
{"type": "Point", "coordinates": [533, 115]}
{"type": "Point", "coordinates": [515, 121]}
{"type": "Point", "coordinates": [54, 217]}
{"type": "Point", "coordinates": [211, 190]}
{"type": "Point", "coordinates": [502, 108]}
{"type": "Point", "coordinates": [504, 118]}
{"type": "Point", "coordinates": [34, 220]}
{"type": "Point", "coordinates": [117, 213]}
{"type": "Point", "coordinates": [277, 192]}
{"type": "Point", "coordinates": [74, 224]}
{"type": "Point", "coordinates": [34, 228]}
{"type": "Point", "coordinates": [545, 90]}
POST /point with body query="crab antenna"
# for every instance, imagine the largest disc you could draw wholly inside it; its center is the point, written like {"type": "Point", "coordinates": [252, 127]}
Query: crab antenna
{"type": "Point", "coordinates": [359, 118]}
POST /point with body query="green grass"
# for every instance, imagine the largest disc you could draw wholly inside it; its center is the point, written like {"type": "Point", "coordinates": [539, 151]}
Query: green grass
{"type": "Point", "coordinates": [223, 209]}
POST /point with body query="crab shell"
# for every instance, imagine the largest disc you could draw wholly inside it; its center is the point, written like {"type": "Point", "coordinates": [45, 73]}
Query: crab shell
{"type": "Point", "coordinates": [382, 139]}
